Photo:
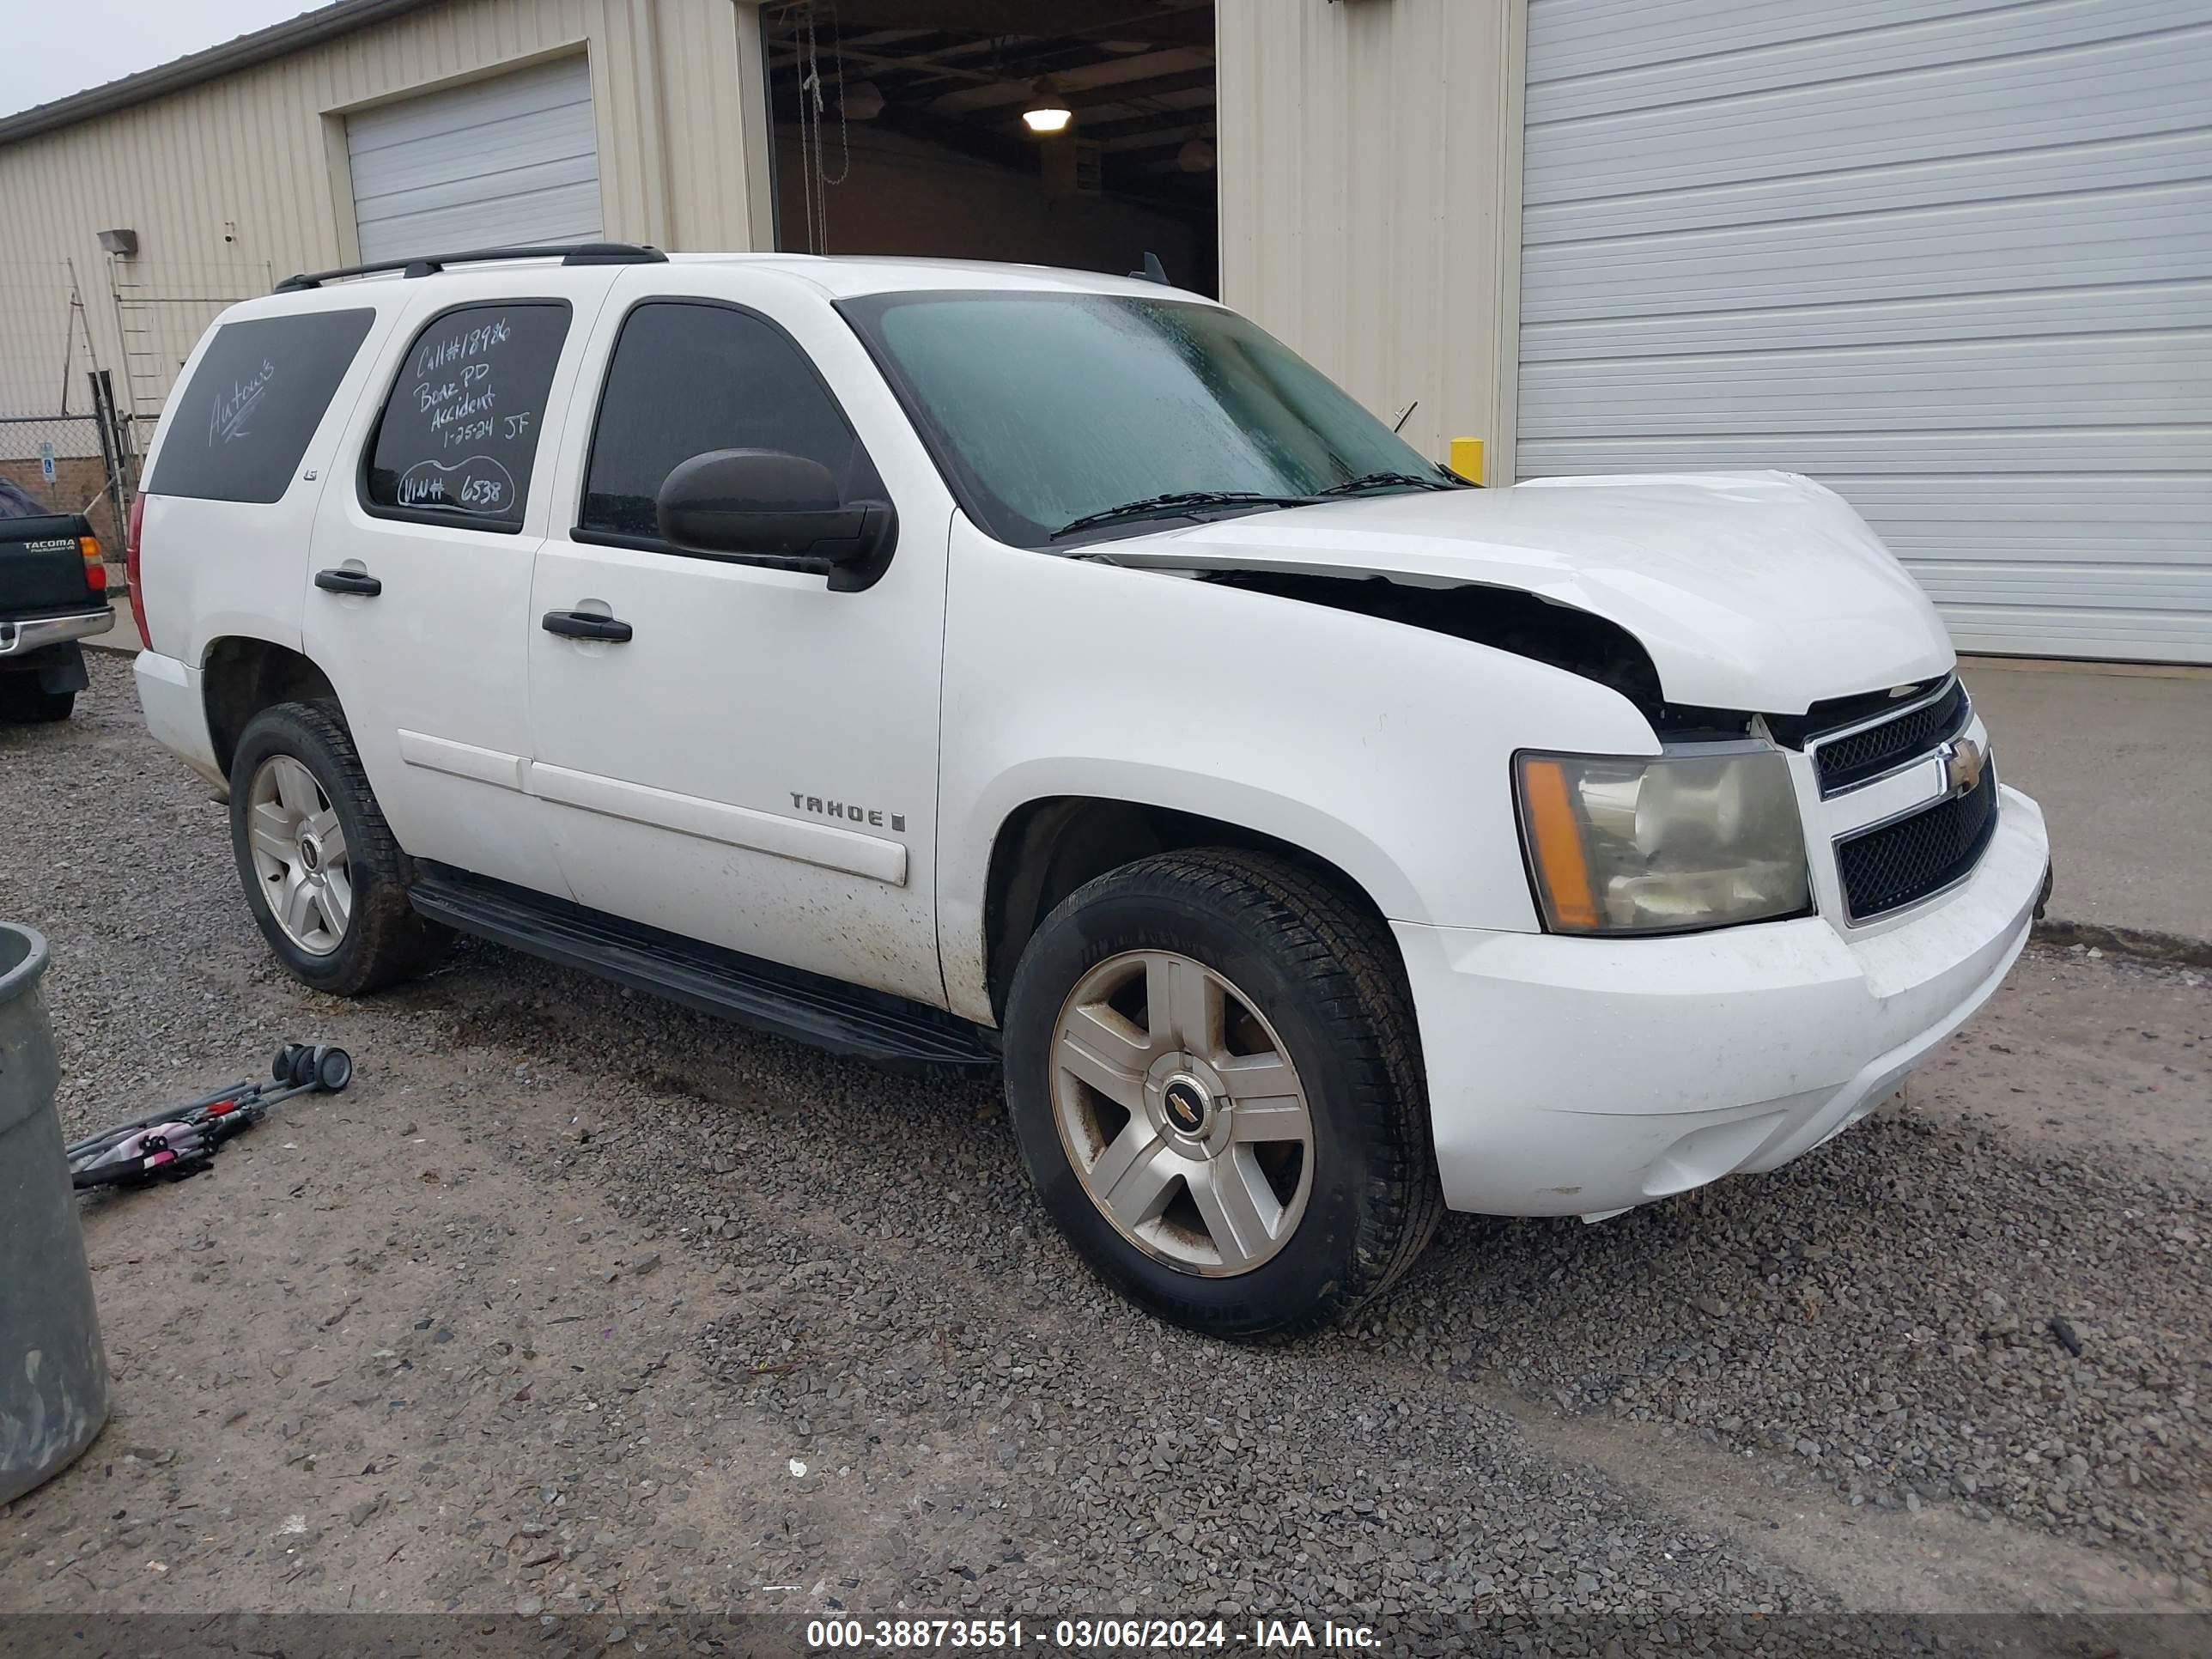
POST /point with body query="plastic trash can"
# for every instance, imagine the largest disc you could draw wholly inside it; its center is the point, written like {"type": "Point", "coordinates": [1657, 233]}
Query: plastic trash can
{"type": "Point", "coordinates": [53, 1370]}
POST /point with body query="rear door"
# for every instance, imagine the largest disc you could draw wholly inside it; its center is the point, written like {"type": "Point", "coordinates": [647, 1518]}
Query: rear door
{"type": "Point", "coordinates": [419, 590]}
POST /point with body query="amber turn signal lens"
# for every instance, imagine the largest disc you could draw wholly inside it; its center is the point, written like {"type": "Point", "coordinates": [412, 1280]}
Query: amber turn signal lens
{"type": "Point", "coordinates": [1555, 840]}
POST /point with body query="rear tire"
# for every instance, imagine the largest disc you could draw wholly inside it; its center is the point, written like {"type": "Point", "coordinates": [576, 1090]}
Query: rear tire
{"type": "Point", "coordinates": [326, 880]}
{"type": "Point", "coordinates": [25, 703]}
{"type": "Point", "coordinates": [1214, 1077]}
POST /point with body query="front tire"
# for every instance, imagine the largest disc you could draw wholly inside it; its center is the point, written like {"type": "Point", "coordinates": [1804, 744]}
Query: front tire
{"type": "Point", "coordinates": [326, 880]}
{"type": "Point", "coordinates": [1213, 1075]}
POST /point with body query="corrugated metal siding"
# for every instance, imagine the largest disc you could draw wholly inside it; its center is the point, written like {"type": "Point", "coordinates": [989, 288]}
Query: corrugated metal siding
{"type": "Point", "coordinates": [1953, 258]}
{"type": "Point", "coordinates": [1370, 168]}
{"type": "Point", "coordinates": [676, 109]}
{"type": "Point", "coordinates": [511, 160]}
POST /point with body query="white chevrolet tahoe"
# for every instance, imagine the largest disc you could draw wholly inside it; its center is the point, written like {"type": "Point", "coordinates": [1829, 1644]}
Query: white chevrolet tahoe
{"type": "Point", "coordinates": [978, 664]}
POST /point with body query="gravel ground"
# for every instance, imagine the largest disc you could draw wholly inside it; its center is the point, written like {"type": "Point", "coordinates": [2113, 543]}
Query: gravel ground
{"type": "Point", "coordinates": [581, 1305]}
{"type": "Point", "coordinates": [1937, 1310]}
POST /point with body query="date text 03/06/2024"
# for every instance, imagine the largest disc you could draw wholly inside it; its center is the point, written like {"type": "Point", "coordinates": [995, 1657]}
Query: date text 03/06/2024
{"type": "Point", "coordinates": [1089, 1635]}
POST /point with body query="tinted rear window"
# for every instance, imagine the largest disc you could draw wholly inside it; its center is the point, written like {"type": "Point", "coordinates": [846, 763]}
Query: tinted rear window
{"type": "Point", "coordinates": [458, 439]}
{"type": "Point", "coordinates": [244, 420]}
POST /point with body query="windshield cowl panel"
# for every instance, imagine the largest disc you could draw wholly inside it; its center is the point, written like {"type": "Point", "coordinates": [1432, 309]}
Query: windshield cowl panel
{"type": "Point", "coordinates": [1069, 418]}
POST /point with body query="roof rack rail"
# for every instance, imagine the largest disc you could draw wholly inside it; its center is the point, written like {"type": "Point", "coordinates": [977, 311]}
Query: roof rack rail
{"type": "Point", "coordinates": [569, 253]}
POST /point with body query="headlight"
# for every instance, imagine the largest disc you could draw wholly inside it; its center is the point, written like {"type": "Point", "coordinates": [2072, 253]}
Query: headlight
{"type": "Point", "coordinates": [1687, 839]}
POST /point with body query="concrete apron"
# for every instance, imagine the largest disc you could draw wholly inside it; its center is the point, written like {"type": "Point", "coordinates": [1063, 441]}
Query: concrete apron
{"type": "Point", "coordinates": [2120, 756]}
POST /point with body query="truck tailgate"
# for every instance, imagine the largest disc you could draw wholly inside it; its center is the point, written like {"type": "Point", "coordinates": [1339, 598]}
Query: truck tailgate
{"type": "Point", "coordinates": [41, 570]}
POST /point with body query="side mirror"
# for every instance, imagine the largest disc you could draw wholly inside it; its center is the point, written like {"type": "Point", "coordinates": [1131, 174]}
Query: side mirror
{"type": "Point", "coordinates": [765, 507]}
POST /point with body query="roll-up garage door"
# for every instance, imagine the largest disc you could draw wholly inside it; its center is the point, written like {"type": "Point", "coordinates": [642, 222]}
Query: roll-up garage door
{"type": "Point", "coordinates": [1953, 257]}
{"type": "Point", "coordinates": [492, 163]}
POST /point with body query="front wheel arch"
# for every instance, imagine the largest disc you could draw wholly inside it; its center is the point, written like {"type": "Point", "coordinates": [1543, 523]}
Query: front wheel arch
{"type": "Point", "coordinates": [1048, 848]}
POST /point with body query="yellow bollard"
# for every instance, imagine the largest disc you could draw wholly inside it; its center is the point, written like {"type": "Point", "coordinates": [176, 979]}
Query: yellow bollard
{"type": "Point", "coordinates": [1467, 458]}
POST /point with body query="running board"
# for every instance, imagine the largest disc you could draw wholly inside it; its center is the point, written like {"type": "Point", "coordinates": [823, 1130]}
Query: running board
{"type": "Point", "coordinates": [810, 1008]}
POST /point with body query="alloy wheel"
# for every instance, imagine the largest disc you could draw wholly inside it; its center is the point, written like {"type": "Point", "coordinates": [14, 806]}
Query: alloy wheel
{"type": "Point", "coordinates": [1181, 1113]}
{"type": "Point", "coordinates": [300, 852]}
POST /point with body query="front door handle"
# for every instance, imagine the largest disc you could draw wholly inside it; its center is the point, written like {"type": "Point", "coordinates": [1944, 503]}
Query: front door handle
{"type": "Point", "coordinates": [584, 625]}
{"type": "Point", "coordinates": [348, 581]}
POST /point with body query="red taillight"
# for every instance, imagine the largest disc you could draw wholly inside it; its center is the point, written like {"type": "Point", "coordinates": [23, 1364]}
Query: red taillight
{"type": "Point", "coordinates": [95, 566]}
{"type": "Point", "coordinates": [131, 539]}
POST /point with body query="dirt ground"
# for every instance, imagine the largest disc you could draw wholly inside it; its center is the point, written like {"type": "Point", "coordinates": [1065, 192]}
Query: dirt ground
{"type": "Point", "coordinates": [579, 1304]}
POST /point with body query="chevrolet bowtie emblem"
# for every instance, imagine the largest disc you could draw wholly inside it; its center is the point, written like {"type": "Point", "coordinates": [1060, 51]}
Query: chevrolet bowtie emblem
{"type": "Point", "coordinates": [1963, 762]}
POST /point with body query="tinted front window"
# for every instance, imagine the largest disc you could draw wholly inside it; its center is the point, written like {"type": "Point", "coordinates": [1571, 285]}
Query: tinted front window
{"type": "Point", "coordinates": [1045, 407]}
{"type": "Point", "coordinates": [238, 429]}
{"type": "Point", "coordinates": [686, 379]}
{"type": "Point", "coordinates": [458, 439]}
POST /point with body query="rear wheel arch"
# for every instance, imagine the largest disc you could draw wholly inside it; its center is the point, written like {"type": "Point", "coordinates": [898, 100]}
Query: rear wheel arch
{"type": "Point", "coordinates": [1046, 849]}
{"type": "Point", "coordinates": [242, 675]}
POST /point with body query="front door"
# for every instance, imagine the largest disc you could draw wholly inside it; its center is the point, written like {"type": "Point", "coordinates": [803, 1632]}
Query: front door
{"type": "Point", "coordinates": [418, 602]}
{"type": "Point", "coordinates": [726, 751]}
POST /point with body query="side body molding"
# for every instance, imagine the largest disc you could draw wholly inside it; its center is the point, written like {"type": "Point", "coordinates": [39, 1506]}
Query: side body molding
{"type": "Point", "coordinates": [825, 845]}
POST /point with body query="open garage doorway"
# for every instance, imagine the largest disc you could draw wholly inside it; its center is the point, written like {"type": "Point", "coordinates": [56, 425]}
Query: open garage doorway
{"type": "Point", "coordinates": [927, 127]}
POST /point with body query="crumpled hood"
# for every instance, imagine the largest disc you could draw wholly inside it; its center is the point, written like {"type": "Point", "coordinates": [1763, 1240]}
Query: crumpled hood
{"type": "Point", "coordinates": [1760, 592]}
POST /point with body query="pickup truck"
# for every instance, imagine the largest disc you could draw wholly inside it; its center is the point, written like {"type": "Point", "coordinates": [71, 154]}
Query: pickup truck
{"type": "Point", "coordinates": [1004, 667]}
{"type": "Point", "coordinates": [53, 593]}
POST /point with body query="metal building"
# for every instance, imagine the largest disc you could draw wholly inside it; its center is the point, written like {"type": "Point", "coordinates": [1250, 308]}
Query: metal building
{"type": "Point", "coordinates": [1953, 256]}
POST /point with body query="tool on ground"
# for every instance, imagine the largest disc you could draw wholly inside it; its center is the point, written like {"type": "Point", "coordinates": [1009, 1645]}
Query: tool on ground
{"type": "Point", "coordinates": [182, 1140]}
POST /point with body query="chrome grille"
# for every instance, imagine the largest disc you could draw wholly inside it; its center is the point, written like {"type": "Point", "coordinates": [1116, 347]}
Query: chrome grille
{"type": "Point", "coordinates": [1854, 757]}
{"type": "Point", "coordinates": [1899, 863]}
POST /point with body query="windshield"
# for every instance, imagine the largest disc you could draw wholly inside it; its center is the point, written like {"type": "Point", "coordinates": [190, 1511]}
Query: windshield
{"type": "Point", "coordinates": [1044, 409]}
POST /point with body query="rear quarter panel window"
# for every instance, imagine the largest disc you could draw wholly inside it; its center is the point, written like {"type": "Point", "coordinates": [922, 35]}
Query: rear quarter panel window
{"type": "Point", "coordinates": [241, 424]}
{"type": "Point", "coordinates": [457, 441]}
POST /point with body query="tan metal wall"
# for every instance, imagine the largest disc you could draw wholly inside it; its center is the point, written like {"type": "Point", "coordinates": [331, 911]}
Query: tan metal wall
{"type": "Point", "coordinates": [259, 155]}
{"type": "Point", "coordinates": [1371, 182]}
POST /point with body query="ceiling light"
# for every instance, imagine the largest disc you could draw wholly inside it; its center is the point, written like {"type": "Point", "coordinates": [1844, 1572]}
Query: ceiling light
{"type": "Point", "coordinates": [1047, 111]}
{"type": "Point", "coordinates": [1196, 156]}
{"type": "Point", "coordinates": [863, 101]}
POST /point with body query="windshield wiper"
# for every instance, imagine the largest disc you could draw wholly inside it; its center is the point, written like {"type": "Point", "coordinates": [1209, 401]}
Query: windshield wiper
{"type": "Point", "coordinates": [1177, 502]}
{"type": "Point", "coordinates": [1378, 480]}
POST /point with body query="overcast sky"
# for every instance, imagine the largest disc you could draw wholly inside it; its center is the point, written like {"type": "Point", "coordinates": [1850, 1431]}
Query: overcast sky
{"type": "Point", "coordinates": [51, 48]}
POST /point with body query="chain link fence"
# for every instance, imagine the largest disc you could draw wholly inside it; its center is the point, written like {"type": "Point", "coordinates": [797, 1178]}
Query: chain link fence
{"type": "Point", "coordinates": [73, 464]}
{"type": "Point", "coordinates": [73, 432]}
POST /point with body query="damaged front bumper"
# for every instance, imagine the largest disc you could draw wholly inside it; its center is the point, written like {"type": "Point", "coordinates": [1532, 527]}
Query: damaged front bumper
{"type": "Point", "coordinates": [1584, 1076]}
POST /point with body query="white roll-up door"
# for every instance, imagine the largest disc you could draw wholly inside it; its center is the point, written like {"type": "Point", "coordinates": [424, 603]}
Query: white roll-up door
{"type": "Point", "coordinates": [493, 163]}
{"type": "Point", "coordinates": [1953, 257]}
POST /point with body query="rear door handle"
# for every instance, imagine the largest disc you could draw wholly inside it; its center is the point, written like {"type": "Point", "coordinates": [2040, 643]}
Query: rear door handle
{"type": "Point", "coordinates": [584, 625]}
{"type": "Point", "coordinates": [348, 581]}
